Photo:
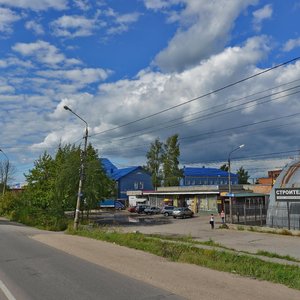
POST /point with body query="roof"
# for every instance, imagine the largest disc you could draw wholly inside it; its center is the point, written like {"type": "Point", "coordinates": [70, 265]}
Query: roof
{"type": "Point", "coordinates": [204, 172]}
{"type": "Point", "coordinates": [119, 173]}
{"type": "Point", "coordinates": [108, 166]}
{"type": "Point", "coordinates": [113, 172]}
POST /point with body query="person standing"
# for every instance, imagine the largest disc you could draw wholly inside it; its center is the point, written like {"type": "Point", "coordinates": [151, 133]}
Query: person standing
{"type": "Point", "coordinates": [212, 221]}
{"type": "Point", "coordinates": [222, 215]}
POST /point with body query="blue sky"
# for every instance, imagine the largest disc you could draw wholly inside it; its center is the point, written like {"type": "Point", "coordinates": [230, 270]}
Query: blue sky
{"type": "Point", "coordinates": [116, 61]}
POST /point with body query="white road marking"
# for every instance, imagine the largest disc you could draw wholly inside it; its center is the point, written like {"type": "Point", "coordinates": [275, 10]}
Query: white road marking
{"type": "Point", "coordinates": [6, 291]}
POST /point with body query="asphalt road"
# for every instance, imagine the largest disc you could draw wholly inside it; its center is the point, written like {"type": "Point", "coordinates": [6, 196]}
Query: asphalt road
{"type": "Point", "coordinates": [30, 270]}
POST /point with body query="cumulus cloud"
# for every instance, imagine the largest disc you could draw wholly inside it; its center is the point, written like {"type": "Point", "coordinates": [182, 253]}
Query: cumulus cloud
{"type": "Point", "coordinates": [83, 76]}
{"type": "Point", "coordinates": [260, 15]}
{"type": "Point", "coordinates": [159, 4]}
{"type": "Point", "coordinates": [291, 44]}
{"type": "Point", "coordinates": [126, 100]}
{"type": "Point", "coordinates": [119, 23]}
{"type": "Point", "coordinates": [73, 26]}
{"type": "Point", "coordinates": [36, 5]}
{"type": "Point", "coordinates": [82, 4]}
{"type": "Point", "coordinates": [204, 30]}
{"type": "Point", "coordinates": [43, 52]}
{"type": "Point", "coordinates": [7, 18]}
{"type": "Point", "coordinates": [35, 27]}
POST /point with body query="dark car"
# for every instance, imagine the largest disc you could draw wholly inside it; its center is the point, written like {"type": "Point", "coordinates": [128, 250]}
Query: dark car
{"type": "Point", "coordinates": [140, 208]}
{"type": "Point", "coordinates": [167, 210]}
{"type": "Point", "coordinates": [182, 212]}
{"type": "Point", "coordinates": [152, 210]}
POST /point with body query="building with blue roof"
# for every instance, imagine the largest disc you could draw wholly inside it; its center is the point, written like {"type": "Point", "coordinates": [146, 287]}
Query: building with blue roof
{"type": "Point", "coordinates": [127, 179]}
{"type": "Point", "coordinates": [206, 176]}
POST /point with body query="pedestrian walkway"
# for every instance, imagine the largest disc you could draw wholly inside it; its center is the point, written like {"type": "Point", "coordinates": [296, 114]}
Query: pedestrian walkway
{"type": "Point", "coordinates": [240, 240]}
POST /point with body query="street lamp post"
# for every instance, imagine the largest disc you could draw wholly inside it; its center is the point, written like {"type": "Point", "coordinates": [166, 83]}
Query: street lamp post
{"type": "Point", "coordinates": [229, 180]}
{"type": "Point", "coordinates": [5, 173]}
{"type": "Point", "coordinates": [77, 211]}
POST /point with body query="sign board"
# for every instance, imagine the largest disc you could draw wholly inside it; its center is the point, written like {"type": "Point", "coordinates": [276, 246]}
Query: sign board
{"type": "Point", "coordinates": [287, 194]}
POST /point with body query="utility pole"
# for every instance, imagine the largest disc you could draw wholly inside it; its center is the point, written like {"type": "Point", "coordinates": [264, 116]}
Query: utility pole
{"type": "Point", "coordinates": [229, 180]}
{"type": "Point", "coordinates": [82, 163]}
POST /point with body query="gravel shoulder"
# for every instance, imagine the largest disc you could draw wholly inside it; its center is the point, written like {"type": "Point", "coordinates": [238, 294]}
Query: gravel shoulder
{"type": "Point", "coordinates": [189, 281]}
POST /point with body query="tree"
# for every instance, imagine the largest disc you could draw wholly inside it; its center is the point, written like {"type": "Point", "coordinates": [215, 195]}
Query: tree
{"type": "Point", "coordinates": [242, 176]}
{"type": "Point", "coordinates": [171, 171]}
{"type": "Point", "coordinates": [96, 184]}
{"type": "Point", "coordinates": [53, 186]}
{"type": "Point", "coordinates": [224, 167]}
{"type": "Point", "coordinates": [154, 162]}
{"type": "Point", "coordinates": [7, 171]}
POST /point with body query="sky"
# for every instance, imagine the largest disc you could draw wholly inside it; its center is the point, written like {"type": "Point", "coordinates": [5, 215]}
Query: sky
{"type": "Point", "coordinates": [140, 70]}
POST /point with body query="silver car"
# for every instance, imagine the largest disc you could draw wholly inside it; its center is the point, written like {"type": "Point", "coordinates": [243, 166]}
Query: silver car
{"type": "Point", "coordinates": [167, 210]}
{"type": "Point", "coordinates": [182, 212]}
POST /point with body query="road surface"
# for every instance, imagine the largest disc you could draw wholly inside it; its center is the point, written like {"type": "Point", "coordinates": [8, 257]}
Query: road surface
{"type": "Point", "coordinates": [30, 270]}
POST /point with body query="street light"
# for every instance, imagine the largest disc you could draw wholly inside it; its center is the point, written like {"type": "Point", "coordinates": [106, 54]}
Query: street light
{"type": "Point", "coordinates": [77, 211]}
{"type": "Point", "coordinates": [229, 180]}
{"type": "Point", "coordinates": [5, 173]}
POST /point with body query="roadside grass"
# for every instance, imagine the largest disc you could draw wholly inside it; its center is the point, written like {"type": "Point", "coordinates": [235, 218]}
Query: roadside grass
{"type": "Point", "coordinates": [275, 255]}
{"type": "Point", "coordinates": [211, 243]}
{"type": "Point", "coordinates": [264, 230]}
{"type": "Point", "coordinates": [184, 251]}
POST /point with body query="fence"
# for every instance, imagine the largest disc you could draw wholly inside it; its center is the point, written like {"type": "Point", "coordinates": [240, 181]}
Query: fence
{"type": "Point", "coordinates": [284, 217]}
{"type": "Point", "coordinates": [247, 215]}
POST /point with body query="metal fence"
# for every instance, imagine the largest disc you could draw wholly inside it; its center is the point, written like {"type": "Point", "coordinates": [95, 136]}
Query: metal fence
{"type": "Point", "coordinates": [255, 215]}
{"type": "Point", "coordinates": [284, 217]}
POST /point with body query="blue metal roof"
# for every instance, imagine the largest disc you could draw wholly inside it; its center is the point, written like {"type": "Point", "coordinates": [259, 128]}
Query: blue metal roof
{"type": "Point", "coordinates": [113, 172]}
{"type": "Point", "coordinates": [205, 172]}
{"type": "Point", "coordinates": [119, 173]}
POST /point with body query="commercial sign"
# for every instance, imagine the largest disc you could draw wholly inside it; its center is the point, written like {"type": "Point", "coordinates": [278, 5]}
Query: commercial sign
{"type": "Point", "coordinates": [287, 194]}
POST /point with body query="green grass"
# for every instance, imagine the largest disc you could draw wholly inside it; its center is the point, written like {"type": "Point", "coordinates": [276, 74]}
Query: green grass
{"type": "Point", "coordinates": [183, 251]}
{"type": "Point", "coordinates": [275, 255]}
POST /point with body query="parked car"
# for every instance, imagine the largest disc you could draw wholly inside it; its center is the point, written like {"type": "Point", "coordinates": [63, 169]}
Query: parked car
{"type": "Point", "coordinates": [167, 210]}
{"type": "Point", "coordinates": [182, 212]}
{"type": "Point", "coordinates": [132, 209]}
{"type": "Point", "coordinates": [152, 210]}
{"type": "Point", "coordinates": [140, 208]}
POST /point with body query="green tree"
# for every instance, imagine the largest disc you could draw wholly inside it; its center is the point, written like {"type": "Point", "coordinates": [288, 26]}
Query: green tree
{"type": "Point", "coordinates": [171, 171]}
{"type": "Point", "coordinates": [154, 162]}
{"type": "Point", "coordinates": [96, 184]}
{"type": "Point", "coordinates": [40, 182]}
{"type": "Point", "coordinates": [53, 185]}
{"type": "Point", "coordinates": [224, 167]}
{"type": "Point", "coordinates": [67, 163]}
{"type": "Point", "coordinates": [242, 176]}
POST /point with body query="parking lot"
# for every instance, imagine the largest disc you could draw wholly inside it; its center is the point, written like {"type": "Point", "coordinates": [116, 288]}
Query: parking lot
{"type": "Point", "coordinates": [198, 227]}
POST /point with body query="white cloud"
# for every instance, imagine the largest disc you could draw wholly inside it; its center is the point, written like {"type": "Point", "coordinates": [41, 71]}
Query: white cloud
{"type": "Point", "coordinates": [7, 18]}
{"type": "Point", "coordinates": [204, 30]}
{"type": "Point", "coordinates": [35, 27]}
{"type": "Point", "coordinates": [43, 52]}
{"type": "Point", "coordinates": [82, 4]}
{"type": "Point", "coordinates": [260, 15]}
{"type": "Point", "coordinates": [291, 44]}
{"type": "Point", "coordinates": [36, 5]}
{"type": "Point", "coordinates": [159, 4]}
{"type": "Point", "coordinates": [73, 26]}
{"type": "Point", "coordinates": [119, 23]}
{"type": "Point", "coordinates": [83, 76]}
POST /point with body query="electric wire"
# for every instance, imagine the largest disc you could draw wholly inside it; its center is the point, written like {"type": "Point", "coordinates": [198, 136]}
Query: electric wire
{"type": "Point", "coordinates": [200, 97]}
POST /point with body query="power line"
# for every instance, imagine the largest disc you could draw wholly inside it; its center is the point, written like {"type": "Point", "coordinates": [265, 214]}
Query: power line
{"type": "Point", "coordinates": [200, 97]}
{"type": "Point", "coordinates": [218, 113]}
